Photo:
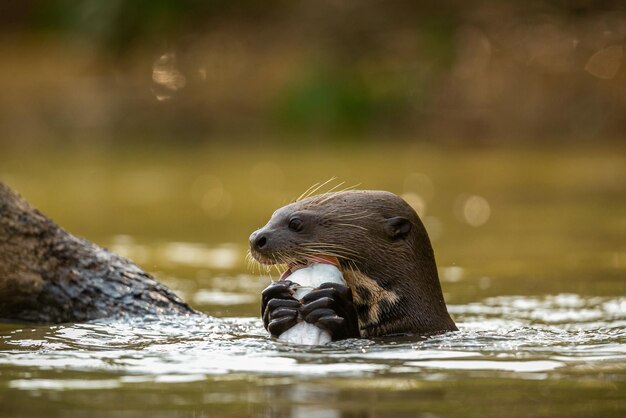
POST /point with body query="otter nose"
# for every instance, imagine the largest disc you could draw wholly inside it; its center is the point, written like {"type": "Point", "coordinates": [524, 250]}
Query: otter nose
{"type": "Point", "coordinates": [258, 240]}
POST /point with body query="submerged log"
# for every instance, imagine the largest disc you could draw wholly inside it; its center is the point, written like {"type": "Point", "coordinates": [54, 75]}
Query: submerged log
{"type": "Point", "coordinates": [47, 275]}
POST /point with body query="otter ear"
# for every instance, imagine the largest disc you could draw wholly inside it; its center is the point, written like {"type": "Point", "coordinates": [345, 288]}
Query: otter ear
{"type": "Point", "coordinates": [397, 227]}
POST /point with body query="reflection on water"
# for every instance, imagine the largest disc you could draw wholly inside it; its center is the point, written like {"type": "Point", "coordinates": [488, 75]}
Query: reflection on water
{"type": "Point", "coordinates": [553, 339]}
{"type": "Point", "coordinates": [509, 334]}
{"type": "Point", "coordinates": [222, 257]}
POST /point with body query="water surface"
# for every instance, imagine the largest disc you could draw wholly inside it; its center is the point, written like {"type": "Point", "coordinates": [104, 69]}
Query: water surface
{"type": "Point", "coordinates": [532, 258]}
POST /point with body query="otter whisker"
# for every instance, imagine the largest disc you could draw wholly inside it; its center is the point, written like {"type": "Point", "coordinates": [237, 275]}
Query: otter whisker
{"type": "Point", "coordinates": [252, 263]}
{"type": "Point", "coordinates": [340, 214]}
{"type": "Point", "coordinates": [323, 245]}
{"type": "Point", "coordinates": [347, 215]}
{"type": "Point", "coordinates": [327, 252]}
{"type": "Point", "coordinates": [328, 244]}
{"type": "Point", "coordinates": [321, 249]}
{"type": "Point", "coordinates": [277, 268]}
{"type": "Point", "coordinates": [321, 252]}
{"type": "Point", "coordinates": [352, 266]}
{"type": "Point", "coordinates": [330, 252]}
{"type": "Point", "coordinates": [281, 261]}
{"type": "Point", "coordinates": [329, 191]}
{"type": "Point", "coordinates": [322, 197]}
{"type": "Point", "coordinates": [313, 252]}
{"type": "Point", "coordinates": [333, 192]}
{"type": "Point", "coordinates": [306, 193]}
{"type": "Point", "coordinates": [249, 259]}
{"type": "Point", "coordinates": [303, 255]}
{"type": "Point", "coordinates": [352, 225]}
{"type": "Point", "coordinates": [352, 216]}
{"type": "Point", "coordinates": [311, 190]}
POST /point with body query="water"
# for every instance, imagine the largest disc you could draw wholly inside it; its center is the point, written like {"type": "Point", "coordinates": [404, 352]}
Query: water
{"type": "Point", "coordinates": [533, 342]}
{"type": "Point", "coordinates": [532, 260]}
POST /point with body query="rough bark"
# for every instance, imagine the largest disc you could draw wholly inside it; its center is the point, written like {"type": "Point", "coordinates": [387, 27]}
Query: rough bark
{"type": "Point", "coordinates": [47, 275]}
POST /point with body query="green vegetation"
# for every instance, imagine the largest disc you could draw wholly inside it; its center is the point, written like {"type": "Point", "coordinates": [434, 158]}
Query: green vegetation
{"type": "Point", "coordinates": [465, 72]}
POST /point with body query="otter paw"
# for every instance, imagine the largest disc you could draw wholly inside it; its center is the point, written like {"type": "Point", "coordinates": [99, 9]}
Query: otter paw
{"type": "Point", "coordinates": [331, 308]}
{"type": "Point", "coordinates": [279, 309]}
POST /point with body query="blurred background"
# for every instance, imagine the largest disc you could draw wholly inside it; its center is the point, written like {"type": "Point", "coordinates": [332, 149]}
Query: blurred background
{"type": "Point", "coordinates": [170, 130]}
{"type": "Point", "coordinates": [274, 72]}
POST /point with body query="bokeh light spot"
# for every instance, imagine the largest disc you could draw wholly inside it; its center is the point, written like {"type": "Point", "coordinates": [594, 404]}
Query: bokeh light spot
{"type": "Point", "coordinates": [472, 209]}
{"type": "Point", "coordinates": [167, 77]}
{"type": "Point", "coordinates": [420, 184]}
{"type": "Point", "coordinates": [209, 193]}
{"type": "Point", "coordinates": [606, 62]}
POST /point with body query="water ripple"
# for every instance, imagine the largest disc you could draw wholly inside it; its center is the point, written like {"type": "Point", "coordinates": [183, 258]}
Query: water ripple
{"type": "Point", "coordinates": [523, 337]}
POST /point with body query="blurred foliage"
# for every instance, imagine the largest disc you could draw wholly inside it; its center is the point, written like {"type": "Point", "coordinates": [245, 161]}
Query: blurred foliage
{"type": "Point", "coordinates": [325, 102]}
{"type": "Point", "coordinates": [484, 71]}
{"type": "Point", "coordinates": [118, 23]}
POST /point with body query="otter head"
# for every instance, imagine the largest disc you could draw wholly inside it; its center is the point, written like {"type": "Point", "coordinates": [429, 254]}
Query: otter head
{"type": "Point", "coordinates": [378, 242]}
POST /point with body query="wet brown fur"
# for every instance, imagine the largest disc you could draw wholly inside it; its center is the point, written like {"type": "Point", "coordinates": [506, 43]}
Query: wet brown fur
{"type": "Point", "coordinates": [394, 280]}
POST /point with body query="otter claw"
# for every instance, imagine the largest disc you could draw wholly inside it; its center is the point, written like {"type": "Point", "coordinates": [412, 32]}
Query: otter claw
{"type": "Point", "coordinates": [279, 309]}
{"type": "Point", "coordinates": [330, 307]}
{"type": "Point", "coordinates": [335, 325]}
{"type": "Point", "coordinates": [280, 325]}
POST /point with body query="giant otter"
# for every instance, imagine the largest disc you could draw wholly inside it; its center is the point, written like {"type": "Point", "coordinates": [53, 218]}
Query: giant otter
{"type": "Point", "coordinates": [384, 252]}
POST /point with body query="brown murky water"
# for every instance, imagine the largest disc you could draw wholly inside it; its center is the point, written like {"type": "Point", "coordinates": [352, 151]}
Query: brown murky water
{"type": "Point", "coordinates": [531, 246]}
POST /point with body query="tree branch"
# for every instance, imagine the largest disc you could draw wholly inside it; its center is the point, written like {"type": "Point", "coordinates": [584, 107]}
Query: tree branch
{"type": "Point", "coordinates": [47, 275]}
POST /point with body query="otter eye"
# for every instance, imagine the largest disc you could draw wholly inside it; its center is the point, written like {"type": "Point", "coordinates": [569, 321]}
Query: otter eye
{"type": "Point", "coordinates": [295, 224]}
